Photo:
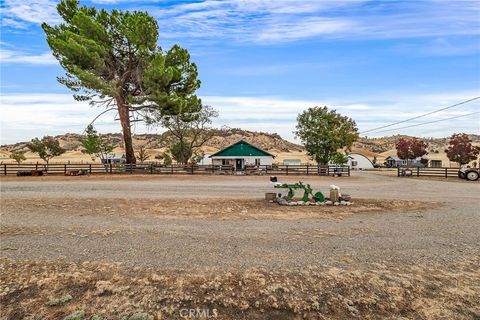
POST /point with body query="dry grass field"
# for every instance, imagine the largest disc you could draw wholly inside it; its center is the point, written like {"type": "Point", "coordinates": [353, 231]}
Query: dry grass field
{"type": "Point", "coordinates": [209, 247]}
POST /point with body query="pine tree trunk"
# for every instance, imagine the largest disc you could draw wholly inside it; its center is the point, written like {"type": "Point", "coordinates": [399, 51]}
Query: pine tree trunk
{"type": "Point", "coordinates": [124, 116]}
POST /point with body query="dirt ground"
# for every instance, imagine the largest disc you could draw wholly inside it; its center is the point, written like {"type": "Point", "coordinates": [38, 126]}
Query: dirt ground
{"type": "Point", "coordinates": [206, 247]}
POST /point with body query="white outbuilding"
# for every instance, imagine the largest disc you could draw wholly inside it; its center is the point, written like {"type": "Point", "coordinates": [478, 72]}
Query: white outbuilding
{"type": "Point", "coordinates": [359, 161]}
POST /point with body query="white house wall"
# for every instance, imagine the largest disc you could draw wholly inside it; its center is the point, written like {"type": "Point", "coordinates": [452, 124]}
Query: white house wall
{"type": "Point", "coordinates": [264, 160]}
{"type": "Point", "coordinates": [206, 160]}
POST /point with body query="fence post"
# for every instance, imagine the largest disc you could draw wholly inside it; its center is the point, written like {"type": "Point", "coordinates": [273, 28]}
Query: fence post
{"type": "Point", "coordinates": [348, 169]}
{"type": "Point", "coordinates": [65, 169]}
{"type": "Point", "coordinates": [398, 171]}
{"type": "Point", "coordinates": [328, 170]}
{"type": "Point", "coordinates": [36, 166]}
{"type": "Point", "coordinates": [307, 170]}
{"type": "Point", "coordinates": [151, 168]}
{"type": "Point", "coordinates": [418, 171]}
{"type": "Point", "coordinates": [192, 167]}
{"type": "Point", "coordinates": [90, 168]}
{"type": "Point", "coordinates": [446, 172]}
{"type": "Point", "coordinates": [5, 169]}
{"type": "Point", "coordinates": [171, 166]}
{"type": "Point", "coordinates": [213, 168]}
{"type": "Point", "coordinates": [111, 168]}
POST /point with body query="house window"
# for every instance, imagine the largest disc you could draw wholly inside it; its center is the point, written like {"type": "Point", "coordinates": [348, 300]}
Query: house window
{"type": "Point", "coordinates": [224, 162]}
{"type": "Point", "coordinates": [404, 161]}
{"type": "Point", "coordinates": [354, 163]}
{"type": "Point", "coordinates": [257, 162]}
{"type": "Point", "coordinates": [436, 163]}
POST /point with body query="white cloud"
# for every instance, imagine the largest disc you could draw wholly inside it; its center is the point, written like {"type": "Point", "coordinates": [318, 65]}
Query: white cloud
{"type": "Point", "coordinates": [11, 56]}
{"type": "Point", "coordinates": [17, 12]}
{"type": "Point", "coordinates": [273, 113]}
{"type": "Point", "coordinates": [24, 116]}
{"type": "Point", "coordinates": [12, 23]}
{"type": "Point", "coordinates": [281, 21]}
{"type": "Point", "coordinates": [267, 22]}
{"type": "Point", "coordinates": [309, 27]}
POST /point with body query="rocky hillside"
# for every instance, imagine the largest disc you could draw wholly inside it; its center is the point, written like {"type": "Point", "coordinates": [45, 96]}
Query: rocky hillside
{"type": "Point", "coordinates": [220, 139]}
{"type": "Point", "coordinates": [384, 144]}
{"type": "Point", "coordinates": [370, 147]}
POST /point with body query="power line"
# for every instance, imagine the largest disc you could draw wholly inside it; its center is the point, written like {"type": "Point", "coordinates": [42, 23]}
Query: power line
{"type": "Point", "coordinates": [421, 116]}
{"type": "Point", "coordinates": [435, 121]}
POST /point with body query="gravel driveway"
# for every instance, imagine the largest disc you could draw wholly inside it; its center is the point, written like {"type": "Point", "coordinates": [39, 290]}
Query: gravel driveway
{"type": "Point", "coordinates": [445, 234]}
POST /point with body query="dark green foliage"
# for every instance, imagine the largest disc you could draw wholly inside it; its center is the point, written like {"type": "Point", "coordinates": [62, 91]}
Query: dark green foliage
{"type": "Point", "coordinates": [47, 148]}
{"type": "Point", "coordinates": [180, 152]}
{"type": "Point", "coordinates": [323, 132]}
{"type": "Point", "coordinates": [95, 145]}
{"type": "Point", "coordinates": [111, 58]}
{"type": "Point", "coordinates": [167, 160]}
{"type": "Point", "coordinates": [339, 158]}
{"type": "Point", "coordinates": [171, 80]}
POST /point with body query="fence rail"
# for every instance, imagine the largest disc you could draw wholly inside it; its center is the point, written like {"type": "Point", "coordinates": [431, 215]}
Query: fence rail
{"type": "Point", "coordinates": [155, 168]}
{"type": "Point", "coordinates": [428, 172]}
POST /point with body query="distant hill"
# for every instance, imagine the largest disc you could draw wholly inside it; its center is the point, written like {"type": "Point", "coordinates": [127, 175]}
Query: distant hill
{"type": "Point", "coordinates": [272, 142]}
{"type": "Point", "coordinates": [383, 144]}
{"type": "Point", "coordinates": [221, 138]}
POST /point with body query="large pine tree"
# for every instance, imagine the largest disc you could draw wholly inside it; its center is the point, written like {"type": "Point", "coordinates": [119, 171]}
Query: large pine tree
{"type": "Point", "coordinates": [112, 59]}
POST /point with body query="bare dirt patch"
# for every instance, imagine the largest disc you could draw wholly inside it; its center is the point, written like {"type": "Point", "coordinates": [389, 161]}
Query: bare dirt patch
{"type": "Point", "coordinates": [208, 208]}
{"type": "Point", "coordinates": [19, 231]}
{"type": "Point", "coordinates": [443, 179]}
{"type": "Point", "coordinates": [114, 292]}
{"type": "Point", "coordinates": [160, 177]}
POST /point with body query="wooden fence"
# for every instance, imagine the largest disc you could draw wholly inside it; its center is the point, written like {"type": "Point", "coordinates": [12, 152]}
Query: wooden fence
{"type": "Point", "coordinates": [429, 172]}
{"type": "Point", "coordinates": [155, 168]}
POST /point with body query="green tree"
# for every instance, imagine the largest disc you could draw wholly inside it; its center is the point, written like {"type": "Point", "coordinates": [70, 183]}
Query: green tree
{"type": "Point", "coordinates": [47, 148]}
{"type": "Point", "coordinates": [96, 145]}
{"type": "Point", "coordinates": [111, 59]}
{"type": "Point", "coordinates": [339, 158]}
{"type": "Point", "coordinates": [189, 130]}
{"type": "Point", "coordinates": [18, 156]}
{"type": "Point", "coordinates": [180, 153]}
{"type": "Point", "coordinates": [167, 160]}
{"type": "Point", "coordinates": [323, 132]}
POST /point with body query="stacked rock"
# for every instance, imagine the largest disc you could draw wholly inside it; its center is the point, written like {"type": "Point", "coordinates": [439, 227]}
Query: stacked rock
{"type": "Point", "coordinates": [285, 202]}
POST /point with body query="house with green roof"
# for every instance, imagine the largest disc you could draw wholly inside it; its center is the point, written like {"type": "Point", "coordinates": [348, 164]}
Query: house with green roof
{"type": "Point", "coordinates": [242, 154]}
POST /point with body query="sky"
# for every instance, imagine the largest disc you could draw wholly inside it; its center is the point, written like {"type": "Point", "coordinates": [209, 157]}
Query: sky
{"type": "Point", "coordinates": [263, 62]}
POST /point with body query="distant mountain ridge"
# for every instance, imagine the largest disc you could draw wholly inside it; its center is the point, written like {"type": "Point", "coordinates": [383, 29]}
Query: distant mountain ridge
{"type": "Point", "coordinates": [384, 144]}
{"type": "Point", "coordinates": [224, 137]}
{"type": "Point", "coordinates": [220, 139]}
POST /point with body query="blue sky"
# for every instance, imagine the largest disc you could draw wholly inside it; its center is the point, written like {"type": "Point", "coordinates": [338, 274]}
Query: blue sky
{"type": "Point", "coordinates": [263, 62]}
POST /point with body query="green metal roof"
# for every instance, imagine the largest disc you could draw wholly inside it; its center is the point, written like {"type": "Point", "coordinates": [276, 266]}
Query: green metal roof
{"type": "Point", "coordinates": [242, 149]}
